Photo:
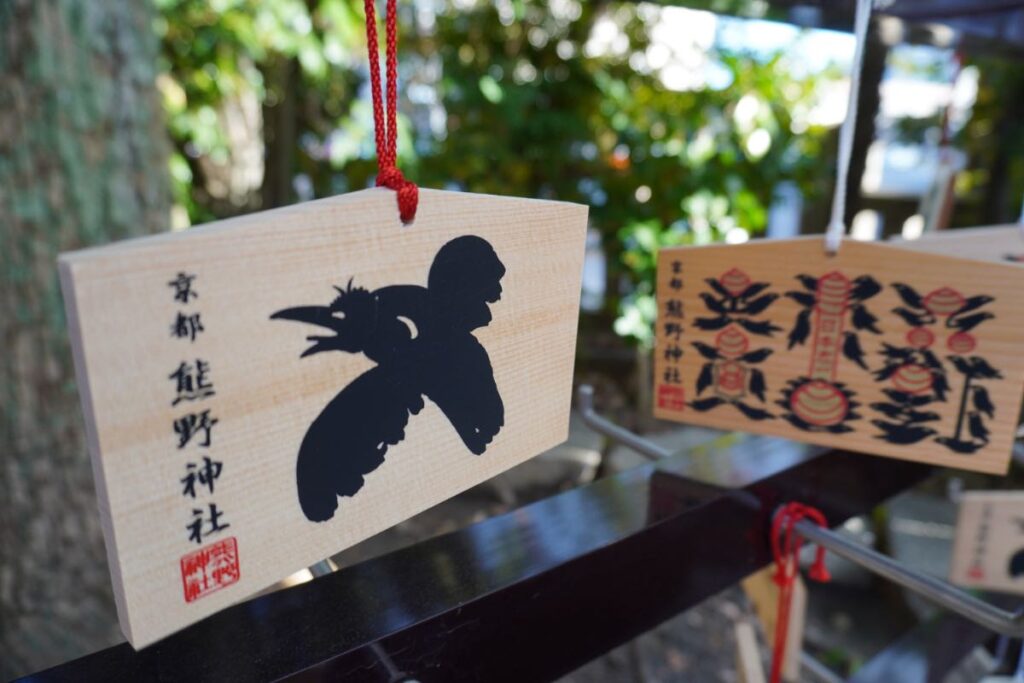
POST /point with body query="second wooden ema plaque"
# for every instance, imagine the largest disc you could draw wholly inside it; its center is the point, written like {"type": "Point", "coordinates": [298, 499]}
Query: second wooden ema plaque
{"type": "Point", "coordinates": [988, 550]}
{"type": "Point", "coordinates": [876, 349]}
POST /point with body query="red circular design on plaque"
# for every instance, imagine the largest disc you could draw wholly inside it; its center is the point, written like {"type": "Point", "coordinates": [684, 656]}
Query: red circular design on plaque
{"type": "Point", "coordinates": [961, 342]}
{"type": "Point", "coordinates": [920, 337]}
{"type": "Point", "coordinates": [913, 378]}
{"type": "Point", "coordinates": [944, 301]}
{"type": "Point", "coordinates": [731, 342]}
{"type": "Point", "coordinates": [730, 376]}
{"type": "Point", "coordinates": [735, 281]}
{"type": "Point", "coordinates": [818, 402]}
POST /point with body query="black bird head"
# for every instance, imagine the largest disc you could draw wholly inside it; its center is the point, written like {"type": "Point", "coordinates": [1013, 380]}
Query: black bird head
{"type": "Point", "coordinates": [352, 316]}
{"type": "Point", "coordinates": [354, 304]}
{"type": "Point", "coordinates": [464, 278]}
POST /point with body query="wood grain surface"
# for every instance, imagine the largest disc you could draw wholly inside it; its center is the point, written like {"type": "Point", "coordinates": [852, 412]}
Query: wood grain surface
{"type": "Point", "coordinates": [1000, 243]}
{"type": "Point", "coordinates": [121, 312]}
{"type": "Point", "coordinates": [877, 349]}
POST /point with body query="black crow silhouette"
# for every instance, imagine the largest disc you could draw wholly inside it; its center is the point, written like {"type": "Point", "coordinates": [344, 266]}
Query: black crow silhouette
{"type": "Point", "coordinates": [421, 339]}
{"type": "Point", "coordinates": [977, 427]}
{"type": "Point", "coordinates": [852, 350]}
{"type": "Point", "coordinates": [909, 295]}
{"type": "Point", "coordinates": [982, 401]}
{"type": "Point", "coordinates": [902, 434]}
{"type": "Point", "coordinates": [968, 323]}
{"type": "Point", "coordinates": [909, 317]}
{"type": "Point", "coordinates": [809, 283]}
{"type": "Point", "coordinates": [975, 302]}
{"type": "Point", "coordinates": [958, 445]}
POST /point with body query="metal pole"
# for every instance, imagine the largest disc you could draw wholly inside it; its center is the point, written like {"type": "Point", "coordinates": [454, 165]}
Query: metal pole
{"type": "Point", "coordinates": [936, 590]}
{"type": "Point", "coordinates": [585, 403]}
{"type": "Point", "coordinates": [818, 671]}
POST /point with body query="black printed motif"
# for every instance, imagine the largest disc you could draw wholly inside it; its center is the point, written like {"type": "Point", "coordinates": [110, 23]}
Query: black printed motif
{"type": "Point", "coordinates": [731, 375]}
{"type": "Point", "coordinates": [920, 377]}
{"type": "Point", "coordinates": [975, 406]}
{"type": "Point", "coordinates": [736, 299]}
{"type": "Point", "coordinates": [421, 339]}
{"type": "Point", "coordinates": [818, 401]}
{"type": "Point", "coordinates": [853, 297]}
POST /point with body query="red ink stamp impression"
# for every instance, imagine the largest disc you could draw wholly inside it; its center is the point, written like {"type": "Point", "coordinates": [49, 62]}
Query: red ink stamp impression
{"type": "Point", "coordinates": [671, 398]}
{"type": "Point", "coordinates": [209, 569]}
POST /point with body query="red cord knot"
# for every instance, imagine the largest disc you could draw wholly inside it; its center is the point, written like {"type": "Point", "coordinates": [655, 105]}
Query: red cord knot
{"type": "Point", "coordinates": [408, 193]}
{"type": "Point", "coordinates": [786, 541]}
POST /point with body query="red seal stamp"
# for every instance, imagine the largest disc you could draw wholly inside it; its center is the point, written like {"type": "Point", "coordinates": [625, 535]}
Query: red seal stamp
{"type": "Point", "coordinates": [671, 397]}
{"type": "Point", "coordinates": [210, 568]}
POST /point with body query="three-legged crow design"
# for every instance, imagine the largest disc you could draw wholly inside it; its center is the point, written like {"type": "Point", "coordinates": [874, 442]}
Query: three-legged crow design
{"type": "Point", "coordinates": [421, 339]}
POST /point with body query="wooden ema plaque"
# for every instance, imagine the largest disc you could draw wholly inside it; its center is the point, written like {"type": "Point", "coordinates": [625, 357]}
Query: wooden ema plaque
{"type": "Point", "coordinates": [262, 392]}
{"type": "Point", "coordinates": [1001, 243]}
{"type": "Point", "coordinates": [877, 349]}
{"type": "Point", "coordinates": [763, 593]}
{"type": "Point", "coordinates": [988, 551]}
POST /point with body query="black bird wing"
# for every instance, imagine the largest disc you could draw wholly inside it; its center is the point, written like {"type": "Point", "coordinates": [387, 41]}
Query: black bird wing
{"type": "Point", "coordinates": [458, 377]}
{"type": "Point", "coordinates": [909, 295]}
{"type": "Point", "coordinates": [910, 317]}
{"type": "Point", "coordinates": [351, 436]}
{"type": "Point", "coordinates": [977, 427]}
{"type": "Point", "coordinates": [901, 433]}
{"type": "Point", "coordinates": [852, 349]}
{"type": "Point", "coordinates": [969, 322]}
{"type": "Point", "coordinates": [982, 402]}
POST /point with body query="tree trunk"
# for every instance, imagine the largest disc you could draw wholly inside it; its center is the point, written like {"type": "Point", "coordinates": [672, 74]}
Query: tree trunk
{"type": "Point", "coordinates": [83, 161]}
{"type": "Point", "coordinates": [280, 132]}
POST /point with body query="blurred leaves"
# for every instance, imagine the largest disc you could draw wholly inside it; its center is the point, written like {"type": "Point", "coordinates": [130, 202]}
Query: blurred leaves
{"type": "Point", "coordinates": [219, 59]}
{"type": "Point", "coordinates": [532, 108]}
{"type": "Point", "coordinates": [989, 190]}
{"type": "Point", "coordinates": [565, 100]}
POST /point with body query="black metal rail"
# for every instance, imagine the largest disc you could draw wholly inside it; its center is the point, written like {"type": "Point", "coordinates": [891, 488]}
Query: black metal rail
{"type": "Point", "coordinates": [529, 595]}
{"type": "Point", "coordinates": [986, 614]}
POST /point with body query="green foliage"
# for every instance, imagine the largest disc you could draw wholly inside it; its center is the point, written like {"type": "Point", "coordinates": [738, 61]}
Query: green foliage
{"type": "Point", "coordinates": [514, 98]}
{"type": "Point", "coordinates": [915, 130]}
{"type": "Point", "coordinates": [641, 241]}
{"type": "Point", "coordinates": [993, 139]}
{"type": "Point", "coordinates": [217, 53]}
{"type": "Point", "coordinates": [530, 111]}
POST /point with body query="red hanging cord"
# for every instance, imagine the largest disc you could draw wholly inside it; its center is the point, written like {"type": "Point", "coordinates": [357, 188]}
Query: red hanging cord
{"type": "Point", "coordinates": [786, 544]}
{"type": "Point", "coordinates": [385, 115]}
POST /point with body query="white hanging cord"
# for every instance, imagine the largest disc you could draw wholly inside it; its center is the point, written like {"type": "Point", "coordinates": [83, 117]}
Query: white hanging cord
{"type": "Point", "coordinates": [836, 227]}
